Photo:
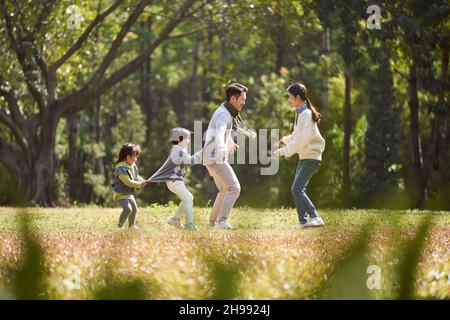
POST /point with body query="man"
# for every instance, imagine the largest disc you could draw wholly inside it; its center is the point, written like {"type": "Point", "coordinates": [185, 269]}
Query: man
{"type": "Point", "coordinates": [218, 145]}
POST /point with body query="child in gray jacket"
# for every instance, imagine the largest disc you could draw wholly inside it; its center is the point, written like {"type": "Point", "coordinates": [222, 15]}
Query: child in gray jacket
{"type": "Point", "coordinates": [172, 173]}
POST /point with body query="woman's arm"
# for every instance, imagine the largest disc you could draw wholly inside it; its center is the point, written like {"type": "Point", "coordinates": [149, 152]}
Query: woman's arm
{"type": "Point", "coordinates": [286, 139]}
{"type": "Point", "coordinates": [300, 137]}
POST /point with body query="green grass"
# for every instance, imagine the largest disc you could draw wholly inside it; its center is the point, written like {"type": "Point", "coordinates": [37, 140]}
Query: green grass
{"type": "Point", "coordinates": [266, 256]}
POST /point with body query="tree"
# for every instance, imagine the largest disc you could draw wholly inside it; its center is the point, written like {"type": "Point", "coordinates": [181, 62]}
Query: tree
{"type": "Point", "coordinates": [380, 180]}
{"type": "Point", "coordinates": [421, 27]}
{"type": "Point", "coordinates": [35, 129]}
{"type": "Point", "coordinates": [347, 13]}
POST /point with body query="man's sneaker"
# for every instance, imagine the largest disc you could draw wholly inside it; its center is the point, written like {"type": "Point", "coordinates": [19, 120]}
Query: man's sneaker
{"type": "Point", "coordinates": [133, 227]}
{"type": "Point", "coordinates": [176, 222]}
{"type": "Point", "coordinates": [303, 224]}
{"type": "Point", "coordinates": [314, 222]}
{"type": "Point", "coordinates": [190, 226]}
{"type": "Point", "coordinates": [223, 224]}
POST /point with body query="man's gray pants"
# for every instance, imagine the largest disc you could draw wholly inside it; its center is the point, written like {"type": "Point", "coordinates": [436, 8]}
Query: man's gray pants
{"type": "Point", "coordinates": [229, 190]}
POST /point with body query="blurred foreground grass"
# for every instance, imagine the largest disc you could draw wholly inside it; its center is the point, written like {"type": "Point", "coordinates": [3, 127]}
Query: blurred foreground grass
{"type": "Point", "coordinates": [78, 253]}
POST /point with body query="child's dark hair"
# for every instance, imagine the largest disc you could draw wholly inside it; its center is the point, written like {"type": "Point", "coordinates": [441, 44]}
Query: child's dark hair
{"type": "Point", "coordinates": [299, 89]}
{"type": "Point", "coordinates": [128, 149]}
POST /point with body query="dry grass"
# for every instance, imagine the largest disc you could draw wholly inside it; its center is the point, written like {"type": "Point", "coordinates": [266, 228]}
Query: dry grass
{"type": "Point", "coordinates": [265, 257]}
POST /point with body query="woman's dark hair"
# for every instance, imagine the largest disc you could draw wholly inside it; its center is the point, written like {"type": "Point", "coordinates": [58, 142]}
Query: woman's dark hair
{"type": "Point", "coordinates": [235, 89]}
{"type": "Point", "coordinates": [128, 149]}
{"type": "Point", "coordinates": [299, 89]}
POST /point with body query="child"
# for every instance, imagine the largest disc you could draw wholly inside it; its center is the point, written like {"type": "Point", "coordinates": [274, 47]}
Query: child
{"type": "Point", "coordinates": [125, 180]}
{"type": "Point", "coordinates": [173, 171]}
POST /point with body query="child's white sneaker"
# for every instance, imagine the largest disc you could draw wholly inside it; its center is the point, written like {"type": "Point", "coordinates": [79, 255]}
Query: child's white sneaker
{"type": "Point", "coordinates": [314, 222]}
{"type": "Point", "coordinates": [223, 224]}
{"type": "Point", "coordinates": [176, 222]}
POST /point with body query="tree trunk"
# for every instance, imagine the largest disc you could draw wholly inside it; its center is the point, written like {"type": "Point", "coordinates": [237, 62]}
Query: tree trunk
{"type": "Point", "coordinates": [44, 184]}
{"type": "Point", "coordinates": [99, 162]}
{"type": "Point", "coordinates": [223, 52]}
{"type": "Point", "coordinates": [347, 133]}
{"type": "Point", "coordinates": [437, 123]}
{"type": "Point", "coordinates": [419, 185]}
{"type": "Point", "coordinates": [325, 79]}
{"type": "Point", "coordinates": [145, 101]}
{"type": "Point", "coordinates": [193, 96]}
{"type": "Point", "coordinates": [75, 179]}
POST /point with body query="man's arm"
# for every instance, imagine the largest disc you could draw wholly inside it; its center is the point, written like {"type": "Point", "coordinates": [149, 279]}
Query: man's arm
{"type": "Point", "coordinates": [220, 130]}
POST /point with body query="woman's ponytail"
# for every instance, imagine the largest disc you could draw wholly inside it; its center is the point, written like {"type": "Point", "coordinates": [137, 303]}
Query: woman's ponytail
{"type": "Point", "coordinates": [316, 115]}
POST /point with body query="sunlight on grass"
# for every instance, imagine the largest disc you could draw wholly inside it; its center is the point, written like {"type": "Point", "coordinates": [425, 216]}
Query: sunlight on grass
{"type": "Point", "coordinates": [84, 256]}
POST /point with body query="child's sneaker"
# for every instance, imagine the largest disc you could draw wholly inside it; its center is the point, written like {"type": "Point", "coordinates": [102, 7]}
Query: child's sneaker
{"type": "Point", "coordinates": [314, 222]}
{"type": "Point", "coordinates": [190, 226]}
{"type": "Point", "coordinates": [223, 224]}
{"type": "Point", "coordinates": [174, 221]}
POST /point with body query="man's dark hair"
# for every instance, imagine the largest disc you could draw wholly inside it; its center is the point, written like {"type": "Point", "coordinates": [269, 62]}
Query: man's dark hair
{"type": "Point", "coordinates": [235, 89]}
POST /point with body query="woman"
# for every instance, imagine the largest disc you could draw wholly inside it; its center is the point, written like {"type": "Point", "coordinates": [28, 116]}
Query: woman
{"type": "Point", "coordinates": [308, 143]}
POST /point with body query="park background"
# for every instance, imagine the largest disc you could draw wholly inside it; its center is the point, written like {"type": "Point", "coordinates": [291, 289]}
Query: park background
{"type": "Point", "coordinates": [80, 78]}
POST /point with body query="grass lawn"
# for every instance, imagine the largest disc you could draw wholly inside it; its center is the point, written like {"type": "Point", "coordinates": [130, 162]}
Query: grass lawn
{"type": "Point", "coordinates": [266, 256]}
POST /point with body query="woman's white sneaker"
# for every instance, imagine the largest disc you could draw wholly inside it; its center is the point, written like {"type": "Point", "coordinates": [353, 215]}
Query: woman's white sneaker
{"type": "Point", "coordinates": [223, 224]}
{"type": "Point", "coordinates": [314, 222]}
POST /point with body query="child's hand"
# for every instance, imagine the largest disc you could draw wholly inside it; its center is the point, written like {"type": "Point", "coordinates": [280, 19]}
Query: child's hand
{"type": "Point", "coordinates": [144, 183]}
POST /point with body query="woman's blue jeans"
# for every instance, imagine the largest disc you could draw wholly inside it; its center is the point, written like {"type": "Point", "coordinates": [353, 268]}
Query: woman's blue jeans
{"type": "Point", "coordinates": [306, 168]}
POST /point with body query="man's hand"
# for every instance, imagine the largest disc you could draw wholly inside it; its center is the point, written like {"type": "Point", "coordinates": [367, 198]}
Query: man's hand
{"type": "Point", "coordinates": [278, 153]}
{"type": "Point", "coordinates": [232, 148]}
{"type": "Point", "coordinates": [221, 154]}
{"type": "Point", "coordinates": [283, 140]}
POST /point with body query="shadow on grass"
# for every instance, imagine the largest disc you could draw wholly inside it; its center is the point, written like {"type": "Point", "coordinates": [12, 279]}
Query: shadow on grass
{"type": "Point", "coordinates": [113, 286]}
{"type": "Point", "coordinates": [225, 267]}
{"type": "Point", "coordinates": [29, 275]}
{"type": "Point", "coordinates": [350, 277]}
{"type": "Point", "coordinates": [410, 259]}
